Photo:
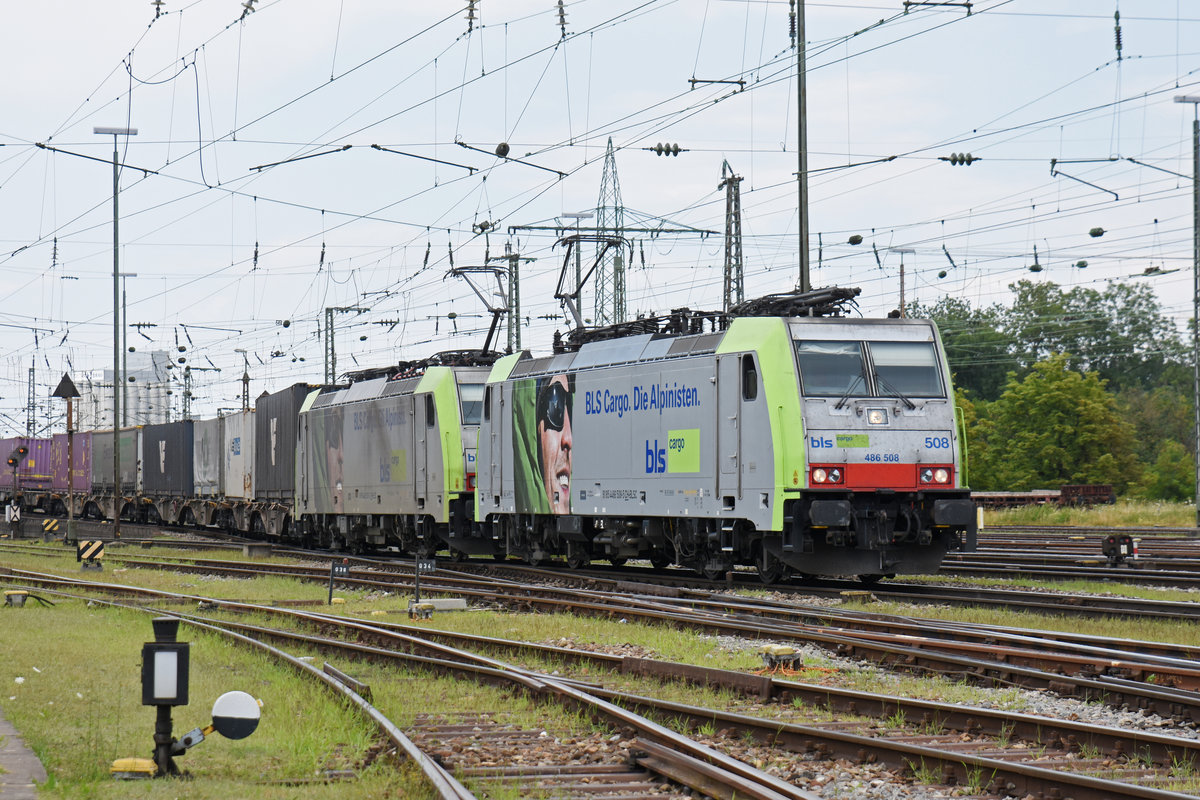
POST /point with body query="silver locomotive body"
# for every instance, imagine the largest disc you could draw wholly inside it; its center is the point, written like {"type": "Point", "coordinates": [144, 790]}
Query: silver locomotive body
{"type": "Point", "coordinates": [390, 462]}
{"type": "Point", "coordinates": [747, 446]}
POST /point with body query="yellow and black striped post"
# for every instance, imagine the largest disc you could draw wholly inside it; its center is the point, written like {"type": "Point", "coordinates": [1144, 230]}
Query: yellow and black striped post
{"type": "Point", "coordinates": [90, 553]}
{"type": "Point", "coordinates": [49, 529]}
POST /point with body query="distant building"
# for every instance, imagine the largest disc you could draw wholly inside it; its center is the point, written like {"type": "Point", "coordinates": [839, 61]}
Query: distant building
{"type": "Point", "coordinates": [145, 400]}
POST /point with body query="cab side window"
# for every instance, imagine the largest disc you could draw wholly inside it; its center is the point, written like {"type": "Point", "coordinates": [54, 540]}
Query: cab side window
{"type": "Point", "coordinates": [749, 378]}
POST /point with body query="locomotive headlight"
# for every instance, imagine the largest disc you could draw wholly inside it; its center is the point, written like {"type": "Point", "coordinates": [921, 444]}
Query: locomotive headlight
{"type": "Point", "coordinates": [877, 416]}
{"type": "Point", "coordinates": [941, 475]}
{"type": "Point", "coordinates": [819, 475]}
{"type": "Point", "coordinates": [835, 475]}
{"type": "Point", "coordinates": [926, 475]}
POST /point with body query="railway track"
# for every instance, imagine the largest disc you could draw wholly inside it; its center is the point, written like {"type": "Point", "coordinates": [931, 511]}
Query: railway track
{"type": "Point", "coordinates": [1088, 667]}
{"type": "Point", "coordinates": [657, 763]}
{"type": "Point", "coordinates": [1058, 763]}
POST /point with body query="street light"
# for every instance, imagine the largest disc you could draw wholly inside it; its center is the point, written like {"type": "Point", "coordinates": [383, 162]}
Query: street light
{"type": "Point", "coordinates": [903, 251]}
{"type": "Point", "coordinates": [1195, 100]}
{"type": "Point", "coordinates": [117, 377]}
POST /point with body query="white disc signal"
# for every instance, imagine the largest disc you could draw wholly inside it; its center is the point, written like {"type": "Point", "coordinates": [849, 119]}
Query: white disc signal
{"type": "Point", "coordinates": [235, 715]}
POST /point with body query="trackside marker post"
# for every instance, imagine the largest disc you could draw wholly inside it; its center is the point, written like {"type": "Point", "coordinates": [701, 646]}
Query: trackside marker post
{"type": "Point", "coordinates": [337, 570]}
{"type": "Point", "coordinates": [418, 609]}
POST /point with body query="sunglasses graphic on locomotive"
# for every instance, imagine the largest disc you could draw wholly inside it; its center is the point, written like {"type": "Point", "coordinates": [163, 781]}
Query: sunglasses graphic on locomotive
{"type": "Point", "coordinates": [783, 435]}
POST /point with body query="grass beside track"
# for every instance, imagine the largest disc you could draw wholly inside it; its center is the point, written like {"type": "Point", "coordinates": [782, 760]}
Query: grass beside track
{"type": "Point", "coordinates": [1122, 514]}
{"type": "Point", "coordinates": [70, 682]}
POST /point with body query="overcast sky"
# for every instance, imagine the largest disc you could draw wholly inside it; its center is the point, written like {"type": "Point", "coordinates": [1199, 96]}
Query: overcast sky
{"type": "Point", "coordinates": [231, 251]}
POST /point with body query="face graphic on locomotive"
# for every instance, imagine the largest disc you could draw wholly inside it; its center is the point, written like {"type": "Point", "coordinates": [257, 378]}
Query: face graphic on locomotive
{"type": "Point", "coordinates": [554, 442]}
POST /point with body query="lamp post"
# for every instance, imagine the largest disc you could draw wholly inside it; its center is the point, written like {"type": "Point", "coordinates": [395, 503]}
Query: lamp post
{"type": "Point", "coordinates": [1195, 100]}
{"type": "Point", "coordinates": [117, 377]}
{"type": "Point", "coordinates": [903, 251]}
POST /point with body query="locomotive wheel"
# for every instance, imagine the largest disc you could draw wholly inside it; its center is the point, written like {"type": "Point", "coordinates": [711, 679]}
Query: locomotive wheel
{"type": "Point", "coordinates": [712, 573]}
{"type": "Point", "coordinates": [618, 562]}
{"type": "Point", "coordinates": [457, 555]}
{"type": "Point", "coordinates": [577, 557]}
{"type": "Point", "coordinates": [871, 580]}
{"type": "Point", "coordinates": [500, 556]}
{"type": "Point", "coordinates": [770, 569]}
{"type": "Point", "coordinates": [660, 562]}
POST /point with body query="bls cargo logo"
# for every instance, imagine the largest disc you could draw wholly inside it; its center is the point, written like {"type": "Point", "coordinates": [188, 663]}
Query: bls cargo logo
{"type": "Point", "coordinates": [681, 453]}
{"type": "Point", "coordinates": [656, 458]}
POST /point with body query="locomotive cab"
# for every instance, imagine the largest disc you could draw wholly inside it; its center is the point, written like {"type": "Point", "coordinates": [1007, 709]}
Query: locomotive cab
{"type": "Point", "coordinates": [884, 468]}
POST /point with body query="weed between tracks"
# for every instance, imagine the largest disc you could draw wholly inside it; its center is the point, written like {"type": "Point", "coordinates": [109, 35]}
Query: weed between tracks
{"type": "Point", "coordinates": [1123, 513]}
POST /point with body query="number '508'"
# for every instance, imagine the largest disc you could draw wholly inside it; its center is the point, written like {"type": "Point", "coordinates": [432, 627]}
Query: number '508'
{"type": "Point", "coordinates": [937, 442]}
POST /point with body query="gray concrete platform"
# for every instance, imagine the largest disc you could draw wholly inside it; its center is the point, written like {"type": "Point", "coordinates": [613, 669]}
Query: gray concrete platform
{"type": "Point", "coordinates": [19, 767]}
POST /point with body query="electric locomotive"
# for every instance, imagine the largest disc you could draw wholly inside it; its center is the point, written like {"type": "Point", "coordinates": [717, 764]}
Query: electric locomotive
{"type": "Point", "coordinates": [818, 445]}
{"type": "Point", "coordinates": [389, 461]}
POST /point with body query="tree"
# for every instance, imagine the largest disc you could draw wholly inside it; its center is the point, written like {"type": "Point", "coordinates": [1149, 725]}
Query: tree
{"type": "Point", "coordinates": [1054, 426]}
{"type": "Point", "coordinates": [1120, 332]}
{"type": "Point", "coordinates": [1172, 475]}
{"type": "Point", "coordinates": [978, 351]}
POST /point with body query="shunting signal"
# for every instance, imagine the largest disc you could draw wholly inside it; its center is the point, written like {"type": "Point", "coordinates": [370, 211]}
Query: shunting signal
{"type": "Point", "coordinates": [90, 553]}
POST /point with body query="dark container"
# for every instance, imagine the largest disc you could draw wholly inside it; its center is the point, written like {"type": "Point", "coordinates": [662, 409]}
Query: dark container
{"type": "Point", "coordinates": [102, 460]}
{"type": "Point", "coordinates": [81, 454]}
{"type": "Point", "coordinates": [276, 434]}
{"type": "Point", "coordinates": [167, 458]}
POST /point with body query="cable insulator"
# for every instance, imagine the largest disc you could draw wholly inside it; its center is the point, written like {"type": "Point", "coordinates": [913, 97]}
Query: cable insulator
{"type": "Point", "coordinates": [1117, 33]}
{"type": "Point", "coordinates": [792, 20]}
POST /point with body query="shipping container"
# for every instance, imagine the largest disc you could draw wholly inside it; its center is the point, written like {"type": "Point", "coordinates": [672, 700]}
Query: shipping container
{"type": "Point", "coordinates": [32, 470]}
{"type": "Point", "coordinates": [237, 474]}
{"type": "Point", "coordinates": [276, 434]}
{"type": "Point", "coordinates": [131, 460]}
{"type": "Point", "coordinates": [81, 456]}
{"type": "Point", "coordinates": [167, 458]}
{"type": "Point", "coordinates": [207, 461]}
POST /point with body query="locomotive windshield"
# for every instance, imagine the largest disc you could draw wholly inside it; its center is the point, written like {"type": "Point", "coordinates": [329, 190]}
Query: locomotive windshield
{"type": "Point", "coordinates": [896, 369]}
{"type": "Point", "coordinates": [906, 369]}
{"type": "Point", "coordinates": [470, 397]}
{"type": "Point", "coordinates": [831, 369]}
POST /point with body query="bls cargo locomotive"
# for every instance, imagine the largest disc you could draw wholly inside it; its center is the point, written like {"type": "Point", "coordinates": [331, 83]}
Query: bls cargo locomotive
{"type": "Point", "coordinates": [784, 436]}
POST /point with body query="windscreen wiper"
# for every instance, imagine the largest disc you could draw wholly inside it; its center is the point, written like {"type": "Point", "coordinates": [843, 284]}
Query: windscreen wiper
{"type": "Point", "coordinates": [849, 391]}
{"type": "Point", "coordinates": [879, 380]}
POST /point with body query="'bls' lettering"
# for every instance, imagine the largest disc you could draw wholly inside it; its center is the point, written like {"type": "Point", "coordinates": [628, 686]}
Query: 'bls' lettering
{"type": "Point", "coordinates": [819, 442]}
{"type": "Point", "coordinates": [656, 458]}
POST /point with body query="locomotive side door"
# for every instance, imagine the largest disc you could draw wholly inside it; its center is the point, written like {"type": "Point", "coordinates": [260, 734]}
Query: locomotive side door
{"type": "Point", "coordinates": [429, 452]}
{"type": "Point", "coordinates": [729, 429]}
{"type": "Point", "coordinates": [421, 435]}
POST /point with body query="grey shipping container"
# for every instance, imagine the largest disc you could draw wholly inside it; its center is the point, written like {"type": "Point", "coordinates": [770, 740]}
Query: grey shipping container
{"type": "Point", "coordinates": [276, 432]}
{"type": "Point", "coordinates": [237, 468]}
{"type": "Point", "coordinates": [167, 458]}
{"type": "Point", "coordinates": [207, 463]}
{"type": "Point", "coordinates": [131, 460]}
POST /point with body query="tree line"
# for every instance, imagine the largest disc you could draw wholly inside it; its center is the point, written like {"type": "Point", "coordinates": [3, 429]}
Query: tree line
{"type": "Point", "coordinates": [1072, 386]}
